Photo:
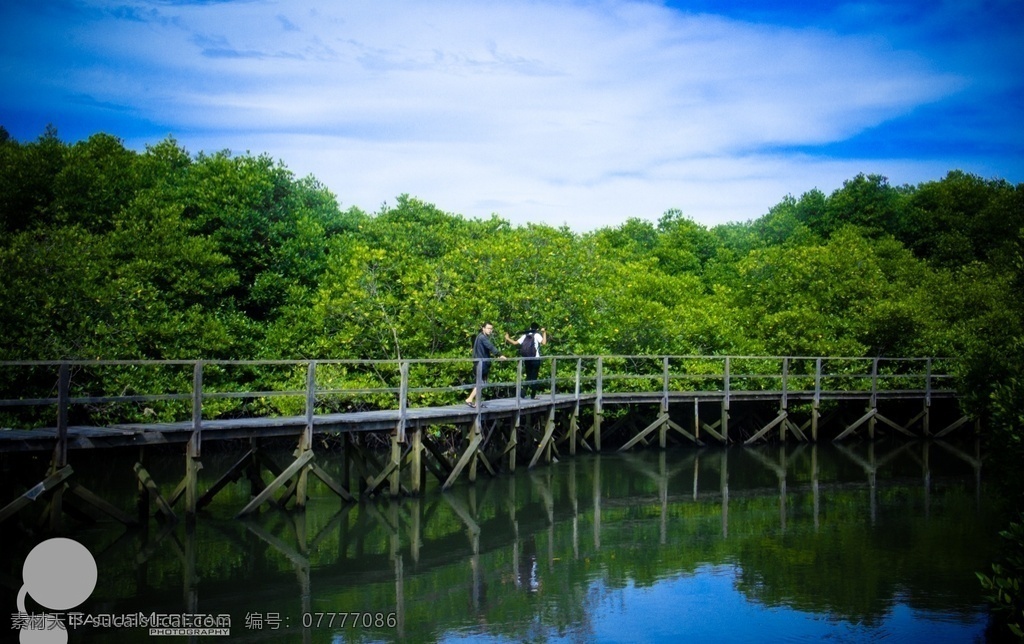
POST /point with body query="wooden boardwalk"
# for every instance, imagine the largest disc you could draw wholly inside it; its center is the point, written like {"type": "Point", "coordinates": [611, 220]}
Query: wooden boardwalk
{"type": "Point", "coordinates": [412, 406]}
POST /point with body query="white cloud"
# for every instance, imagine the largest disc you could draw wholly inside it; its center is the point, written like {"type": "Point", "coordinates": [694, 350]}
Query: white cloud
{"type": "Point", "coordinates": [583, 113]}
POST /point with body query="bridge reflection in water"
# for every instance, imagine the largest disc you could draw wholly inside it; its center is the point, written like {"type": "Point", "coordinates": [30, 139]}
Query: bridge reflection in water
{"type": "Point", "coordinates": [416, 407]}
{"type": "Point", "coordinates": [466, 558]}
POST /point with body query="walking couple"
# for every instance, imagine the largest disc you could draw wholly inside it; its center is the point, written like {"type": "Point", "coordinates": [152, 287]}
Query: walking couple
{"type": "Point", "coordinates": [529, 347]}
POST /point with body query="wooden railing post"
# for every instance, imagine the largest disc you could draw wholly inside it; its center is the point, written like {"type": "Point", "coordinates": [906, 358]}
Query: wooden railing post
{"type": "Point", "coordinates": [785, 384]}
{"type": "Point", "coordinates": [928, 383]}
{"type": "Point", "coordinates": [874, 398]}
{"type": "Point", "coordinates": [574, 423]}
{"type": "Point", "coordinates": [554, 381]}
{"type": "Point", "coordinates": [403, 399]}
{"type": "Point", "coordinates": [874, 382]}
{"type": "Point", "coordinates": [663, 430]}
{"type": "Point", "coordinates": [598, 404]}
{"type": "Point", "coordinates": [197, 407]}
{"type": "Point", "coordinates": [579, 372]}
{"type": "Point", "coordinates": [725, 400]}
{"type": "Point", "coordinates": [664, 384]}
{"type": "Point", "coordinates": [726, 381]}
{"type": "Point", "coordinates": [817, 400]}
{"type": "Point", "coordinates": [519, 382]}
{"type": "Point", "coordinates": [195, 443]}
{"type": "Point", "coordinates": [926, 421]}
{"type": "Point", "coordinates": [60, 452]}
{"type": "Point", "coordinates": [63, 396]}
{"type": "Point", "coordinates": [310, 402]}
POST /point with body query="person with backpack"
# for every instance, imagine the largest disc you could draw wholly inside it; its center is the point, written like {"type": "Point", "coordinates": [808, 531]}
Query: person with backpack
{"type": "Point", "coordinates": [529, 348]}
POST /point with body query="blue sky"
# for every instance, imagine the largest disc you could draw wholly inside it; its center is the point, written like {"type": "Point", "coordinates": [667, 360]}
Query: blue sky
{"type": "Point", "coordinates": [557, 112]}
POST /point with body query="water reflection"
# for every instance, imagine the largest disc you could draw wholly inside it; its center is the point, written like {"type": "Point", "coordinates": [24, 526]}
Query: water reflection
{"type": "Point", "coordinates": [863, 541]}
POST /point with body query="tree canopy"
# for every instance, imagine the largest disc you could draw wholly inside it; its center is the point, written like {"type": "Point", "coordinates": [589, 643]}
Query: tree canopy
{"type": "Point", "coordinates": [110, 253]}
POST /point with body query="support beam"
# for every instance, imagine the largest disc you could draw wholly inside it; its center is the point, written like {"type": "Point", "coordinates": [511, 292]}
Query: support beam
{"type": "Point", "coordinates": [440, 467]}
{"type": "Point", "coordinates": [277, 483]}
{"type": "Point", "coordinates": [329, 481]}
{"type": "Point", "coordinates": [545, 442]}
{"type": "Point", "coordinates": [416, 466]}
{"type": "Point", "coordinates": [901, 429]}
{"type": "Point", "coordinates": [38, 490]}
{"type": "Point", "coordinates": [767, 428]}
{"type": "Point", "coordinates": [233, 474]}
{"type": "Point", "coordinates": [681, 430]}
{"type": "Point", "coordinates": [799, 433]}
{"type": "Point", "coordinates": [661, 420]}
{"type": "Point", "coordinates": [464, 460]}
{"type": "Point", "coordinates": [154, 492]}
{"type": "Point", "coordinates": [394, 479]}
{"type": "Point", "coordinates": [952, 426]}
{"type": "Point", "coordinates": [852, 428]}
{"type": "Point", "coordinates": [101, 505]}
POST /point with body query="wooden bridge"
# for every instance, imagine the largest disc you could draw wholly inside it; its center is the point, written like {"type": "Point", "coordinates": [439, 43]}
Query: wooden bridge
{"type": "Point", "coordinates": [415, 407]}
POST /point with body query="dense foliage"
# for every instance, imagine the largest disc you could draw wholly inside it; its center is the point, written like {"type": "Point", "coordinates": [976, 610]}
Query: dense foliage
{"type": "Point", "coordinates": [110, 253]}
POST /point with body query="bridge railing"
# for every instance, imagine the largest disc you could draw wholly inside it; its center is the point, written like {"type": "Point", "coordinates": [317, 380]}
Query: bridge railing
{"type": "Point", "coordinates": [103, 392]}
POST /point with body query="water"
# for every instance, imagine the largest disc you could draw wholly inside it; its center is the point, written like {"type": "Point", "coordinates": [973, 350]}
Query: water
{"type": "Point", "coordinates": [795, 544]}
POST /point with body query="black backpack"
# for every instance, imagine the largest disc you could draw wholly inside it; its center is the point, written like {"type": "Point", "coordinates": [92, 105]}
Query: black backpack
{"type": "Point", "coordinates": [528, 348]}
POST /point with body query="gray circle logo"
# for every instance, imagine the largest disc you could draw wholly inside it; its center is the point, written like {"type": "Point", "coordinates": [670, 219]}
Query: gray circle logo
{"type": "Point", "coordinates": [58, 574]}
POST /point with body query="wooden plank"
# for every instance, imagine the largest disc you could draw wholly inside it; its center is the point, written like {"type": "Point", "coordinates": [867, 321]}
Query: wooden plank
{"type": "Point", "coordinates": [394, 479]}
{"type": "Point", "coordinates": [767, 428]}
{"type": "Point", "coordinates": [952, 426]}
{"type": "Point", "coordinates": [512, 444]}
{"type": "Point", "coordinates": [416, 466]}
{"type": "Point", "coordinates": [913, 421]}
{"type": "Point", "coordinates": [894, 425]}
{"type": "Point", "coordinates": [598, 405]}
{"type": "Point", "coordinates": [852, 428]}
{"type": "Point", "coordinates": [711, 430]}
{"type": "Point", "coordinates": [486, 463]}
{"type": "Point", "coordinates": [373, 484]}
{"type": "Point", "coordinates": [154, 492]}
{"type": "Point", "coordinates": [102, 505]}
{"type": "Point", "coordinates": [329, 481]}
{"type": "Point", "coordinates": [574, 427]}
{"type": "Point", "coordinates": [681, 430]}
{"type": "Point", "coordinates": [192, 467]}
{"type": "Point", "coordinates": [436, 452]}
{"type": "Point", "coordinates": [463, 461]}
{"type": "Point", "coordinates": [63, 390]}
{"type": "Point", "coordinates": [178, 492]}
{"type": "Point", "coordinates": [310, 399]}
{"type": "Point", "coordinates": [658, 422]}
{"type": "Point", "coordinates": [436, 470]}
{"type": "Point", "coordinates": [549, 430]}
{"type": "Point", "coordinates": [796, 430]}
{"type": "Point", "coordinates": [232, 475]}
{"type": "Point", "coordinates": [41, 488]}
{"type": "Point", "coordinates": [277, 483]}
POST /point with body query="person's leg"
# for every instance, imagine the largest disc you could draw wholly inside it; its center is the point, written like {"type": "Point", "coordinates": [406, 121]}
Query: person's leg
{"type": "Point", "coordinates": [532, 371]}
{"type": "Point", "coordinates": [485, 369]}
{"type": "Point", "coordinates": [476, 383]}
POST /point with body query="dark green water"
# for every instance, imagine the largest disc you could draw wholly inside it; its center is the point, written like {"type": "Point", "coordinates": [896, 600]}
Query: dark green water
{"type": "Point", "coordinates": [857, 543]}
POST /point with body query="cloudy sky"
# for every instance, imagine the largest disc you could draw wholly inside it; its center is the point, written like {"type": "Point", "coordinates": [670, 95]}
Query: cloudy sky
{"type": "Point", "coordinates": [554, 111]}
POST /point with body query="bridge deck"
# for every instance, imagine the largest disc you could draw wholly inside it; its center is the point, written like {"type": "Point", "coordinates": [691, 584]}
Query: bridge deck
{"type": "Point", "coordinates": [141, 434]}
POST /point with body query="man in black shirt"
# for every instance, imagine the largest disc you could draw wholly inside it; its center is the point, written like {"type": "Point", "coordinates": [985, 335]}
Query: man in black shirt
{"type": "Point", "coordinates": [483, 348]}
